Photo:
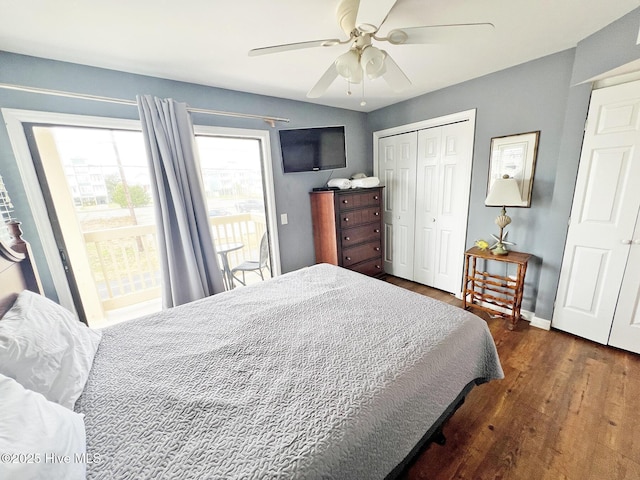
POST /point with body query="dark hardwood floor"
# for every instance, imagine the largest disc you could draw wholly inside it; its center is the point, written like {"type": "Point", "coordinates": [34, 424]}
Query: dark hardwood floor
{"type": "Point", "coordinates": [567, 409]}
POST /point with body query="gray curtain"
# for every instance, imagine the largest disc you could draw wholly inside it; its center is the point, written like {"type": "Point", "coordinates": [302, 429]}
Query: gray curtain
{"type": "Point", "coordinates": [188, 258]}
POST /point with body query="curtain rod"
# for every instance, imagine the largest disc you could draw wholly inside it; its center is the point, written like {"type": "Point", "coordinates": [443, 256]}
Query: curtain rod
{"type": "Point", "coordinates": [59, 93]}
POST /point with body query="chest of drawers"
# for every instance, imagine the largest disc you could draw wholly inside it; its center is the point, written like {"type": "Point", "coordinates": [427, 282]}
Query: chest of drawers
{"type": "Point", "coordinates": [347, 229]}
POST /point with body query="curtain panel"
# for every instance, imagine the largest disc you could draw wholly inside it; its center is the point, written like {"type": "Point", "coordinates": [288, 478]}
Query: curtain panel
{"type": "Point", "coordinates": [188, 258]}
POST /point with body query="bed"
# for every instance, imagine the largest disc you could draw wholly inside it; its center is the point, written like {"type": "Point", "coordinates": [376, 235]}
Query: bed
{"type": "Point", "coordinates": [318, 373]}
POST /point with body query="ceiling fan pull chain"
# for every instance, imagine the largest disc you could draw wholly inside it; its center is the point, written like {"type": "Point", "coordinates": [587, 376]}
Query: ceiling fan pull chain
{"type": "Point", "coordinates": [348, 87]}
{"type": "Point", "coordinates": [363, 102]}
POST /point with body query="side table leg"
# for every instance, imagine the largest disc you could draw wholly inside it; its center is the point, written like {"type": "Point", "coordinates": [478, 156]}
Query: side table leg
{"type": "Point", "coordinates": [465, 288]}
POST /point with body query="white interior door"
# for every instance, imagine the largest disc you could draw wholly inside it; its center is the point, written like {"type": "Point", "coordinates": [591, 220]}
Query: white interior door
{"type": "Point", "coordinates": [442, 201]}
{"type": "Point", "coordinates": [625, 331]}
{"type": "Point", "coordinates": [603, 216]}
{"type": "Point", "coordinates": [397, 171]}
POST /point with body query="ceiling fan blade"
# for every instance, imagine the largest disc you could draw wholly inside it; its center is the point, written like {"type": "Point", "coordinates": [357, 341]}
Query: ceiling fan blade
{"type": "Point", "coordinates": [294, 46]}
{"type": "Point", "coordinates": [372, 14]}
{"type": "Point", "coordinates": [462, 32]}
{"type": "Point", "coordinates": [394, 76]}
{"type": "Point", "coordinates": [324, 83]}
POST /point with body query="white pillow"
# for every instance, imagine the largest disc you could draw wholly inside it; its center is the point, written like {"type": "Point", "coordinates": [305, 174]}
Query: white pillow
{"type": "Point", "coordinates": [46, 349]}
{"type": "Point", "coordinates": [38, 436]}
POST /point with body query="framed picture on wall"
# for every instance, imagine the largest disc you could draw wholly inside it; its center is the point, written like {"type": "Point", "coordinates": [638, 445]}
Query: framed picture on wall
{"type": "Point", "coordinates": [515, 156]}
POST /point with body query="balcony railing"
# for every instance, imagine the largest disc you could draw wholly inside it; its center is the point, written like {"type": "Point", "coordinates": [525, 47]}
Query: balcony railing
{"type": "Point", "coordinates": [125, 264]}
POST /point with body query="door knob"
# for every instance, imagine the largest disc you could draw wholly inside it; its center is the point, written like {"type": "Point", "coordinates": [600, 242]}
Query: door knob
{"type": "Point", "coordinates": [636, 242]}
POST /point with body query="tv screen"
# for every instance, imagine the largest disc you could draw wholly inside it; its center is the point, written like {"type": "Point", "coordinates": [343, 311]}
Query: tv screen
{"type": "Point", "coordinates": [309, 149]}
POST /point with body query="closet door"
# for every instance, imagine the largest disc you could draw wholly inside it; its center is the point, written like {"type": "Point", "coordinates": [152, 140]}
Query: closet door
{"type": "Point", "coordinates": [397, 171]}
{"type": "Point", "coordinates": [603, 215]}
{"type": "Point", "coordinates": [625, 331]}
{"type": "Point", "coordinates": [442, 201]}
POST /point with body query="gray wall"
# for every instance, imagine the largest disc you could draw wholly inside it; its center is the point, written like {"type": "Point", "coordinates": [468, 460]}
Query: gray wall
{"type": "Point", "coordinates": [539, 95]}
{"type": "Point", "coordinates": [291, 190]}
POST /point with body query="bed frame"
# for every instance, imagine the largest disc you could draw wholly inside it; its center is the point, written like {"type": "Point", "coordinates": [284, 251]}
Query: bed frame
{"type": "Point", "coordinates": [17, 271]}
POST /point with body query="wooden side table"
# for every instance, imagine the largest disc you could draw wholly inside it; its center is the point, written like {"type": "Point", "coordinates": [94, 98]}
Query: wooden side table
{"type": "Point", "coordinates": [493, 293]}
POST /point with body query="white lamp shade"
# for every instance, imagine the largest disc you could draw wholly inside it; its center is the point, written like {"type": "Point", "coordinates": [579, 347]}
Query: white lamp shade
{"type": "Point", "coordinates": [372, 62]}
{"type": "Point", "coordinates": [504, 192]}
{"type": "Point", "coordinates": [348, 66]}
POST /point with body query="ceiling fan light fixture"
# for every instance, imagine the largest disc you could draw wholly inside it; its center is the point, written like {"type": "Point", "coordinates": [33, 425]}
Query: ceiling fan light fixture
{"type": "Point", "coordinates": [372, 62]}
{"type": "Point", "coordinates": [348, 66]}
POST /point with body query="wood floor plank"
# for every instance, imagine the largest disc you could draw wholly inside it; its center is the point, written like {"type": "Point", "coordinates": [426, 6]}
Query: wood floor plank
{"type": "Point", "coordinates": [567, 409]}
{"type": "Point", "coordinates": [612, 465]}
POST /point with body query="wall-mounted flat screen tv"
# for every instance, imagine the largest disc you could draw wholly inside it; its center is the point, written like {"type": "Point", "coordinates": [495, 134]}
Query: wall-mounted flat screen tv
{"type": "Point", "coordinates": [310, 149]}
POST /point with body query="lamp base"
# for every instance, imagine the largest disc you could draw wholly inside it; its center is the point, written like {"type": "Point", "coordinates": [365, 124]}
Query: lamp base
{"type": "Point", "coordinates": [500, 249]}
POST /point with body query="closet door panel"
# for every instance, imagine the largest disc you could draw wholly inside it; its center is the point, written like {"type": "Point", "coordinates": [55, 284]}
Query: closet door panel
{"type": "Point", "coordinates": [455, 178]}
{"type": "Point", "coordinates": [625, 331]}
{"type": "Point", "coordinates": [442, 202]}
{"type": "Point", "coordinates": [398, 167]}
{"type": "Point", "coordinates": [427, 190]}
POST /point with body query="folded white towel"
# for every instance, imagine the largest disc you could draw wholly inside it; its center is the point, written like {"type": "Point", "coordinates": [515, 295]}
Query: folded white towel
{"type": "Point", "coordinates": [341, 183]}
{"type": "Point", "coordinates": [367, 182]}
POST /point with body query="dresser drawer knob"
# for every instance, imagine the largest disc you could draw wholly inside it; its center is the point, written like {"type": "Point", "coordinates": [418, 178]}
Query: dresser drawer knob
{"type": "Point", "coordinates": [378, 267]}
{"type": "Point", "coordinates": [347, 238]}
{"type": "Point", "coordinates": [377, 213]}
{"type": "Point", "coordinates": [345, 201]}
{"type": "Point", "coordinates": [346, 219]}
{"type": "Point", "coordinates": [375, 197]}
{"type": "Point", "coordinates": [377, 249]}
{"type": "Point", "coordinates": [347, 258]}
{"type": "Point", "coordinates": [376, 230]}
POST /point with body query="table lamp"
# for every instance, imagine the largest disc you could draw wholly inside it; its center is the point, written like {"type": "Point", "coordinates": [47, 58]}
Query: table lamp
{"type": "Point", "coordinates": [504, 191]}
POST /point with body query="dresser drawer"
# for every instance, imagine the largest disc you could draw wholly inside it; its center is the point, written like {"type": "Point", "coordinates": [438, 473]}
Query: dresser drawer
{"type": "Point", "coordinates": [365, 233]}
{"type": "Point", "coordinates": [358, 200]}
{"type": "Point", "coordinates": [358, 217]}
{"type": "Point", "coordinates": [372, 268]}
{"type": "Point", "coordinates": [371, 198]}
{"type": "Point", "coordinates": [360, 253]}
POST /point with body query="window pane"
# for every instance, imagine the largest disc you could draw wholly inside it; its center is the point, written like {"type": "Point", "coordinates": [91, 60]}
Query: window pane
{"type": "Point", "coordinates": [232, 178]}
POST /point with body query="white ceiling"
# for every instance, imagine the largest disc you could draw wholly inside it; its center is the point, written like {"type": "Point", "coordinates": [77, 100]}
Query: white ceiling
{"type": "Point", "coordinates": [206, 41]}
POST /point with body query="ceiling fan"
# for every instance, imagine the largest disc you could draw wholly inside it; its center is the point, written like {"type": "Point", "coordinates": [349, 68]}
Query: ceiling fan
{"type": "Point", "coordinates": [361, 21]}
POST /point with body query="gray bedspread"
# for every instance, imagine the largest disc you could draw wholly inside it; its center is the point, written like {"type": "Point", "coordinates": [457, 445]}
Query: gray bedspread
{"type": "Point", "coordinates": [319, 373]}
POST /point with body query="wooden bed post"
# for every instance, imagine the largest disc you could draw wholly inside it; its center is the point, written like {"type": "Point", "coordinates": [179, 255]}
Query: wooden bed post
{"type": "Point", "coordinates": [29, 268]}
{"type": "Point", "coordinates": [16, 235]}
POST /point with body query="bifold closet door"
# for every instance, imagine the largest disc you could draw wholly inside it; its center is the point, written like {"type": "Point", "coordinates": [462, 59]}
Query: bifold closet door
{"type": "Point", "coordinates": [397, 171]}
{"type": "Point", "coordinates": [442, 199]}
{"type": "Point", "coordinates": [605, 208]}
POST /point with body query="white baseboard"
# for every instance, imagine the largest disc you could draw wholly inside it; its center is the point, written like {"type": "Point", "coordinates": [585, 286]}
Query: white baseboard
{"type": "Point", "coordinates": [540, 323]}
{"type": "Point", "coordinates": [524, 314]}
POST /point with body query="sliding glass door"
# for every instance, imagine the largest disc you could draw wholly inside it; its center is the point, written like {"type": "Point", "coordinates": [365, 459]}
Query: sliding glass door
{"type": "Point", "coordinates": [234, 187]}
{"type": "Point", "coordinates": [97, 188]}
{"type": "Point", "coordinates": [88, 186]}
